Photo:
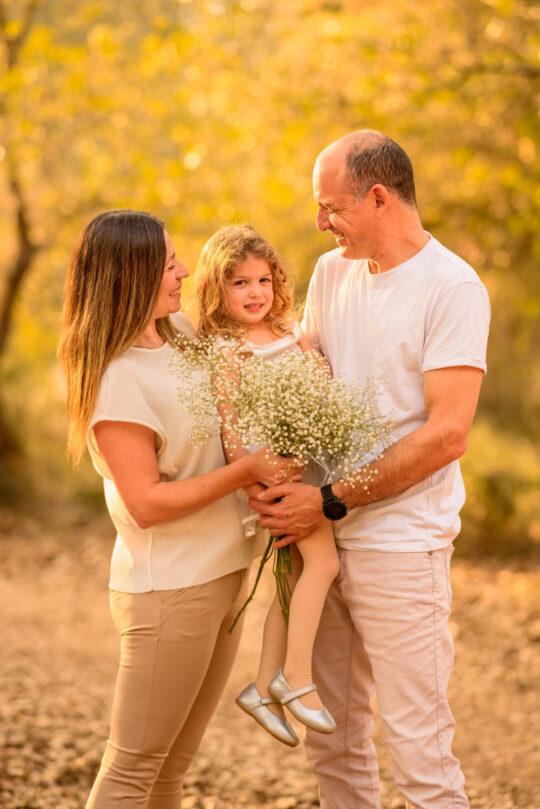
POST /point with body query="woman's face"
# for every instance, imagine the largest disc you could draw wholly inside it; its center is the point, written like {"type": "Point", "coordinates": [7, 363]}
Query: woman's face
{"type": "Point", "coordinates": [169, 295]}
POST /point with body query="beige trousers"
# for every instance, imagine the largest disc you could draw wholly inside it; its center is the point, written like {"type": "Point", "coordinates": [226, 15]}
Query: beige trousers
{"type": "Point", "coordinates": [176, 655]}
{"type": "Point", "coordinates": [384, 631]}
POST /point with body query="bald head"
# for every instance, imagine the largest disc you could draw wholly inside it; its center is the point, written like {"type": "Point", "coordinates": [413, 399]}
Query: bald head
{"type": "Point", "coordinates": [368, 157]}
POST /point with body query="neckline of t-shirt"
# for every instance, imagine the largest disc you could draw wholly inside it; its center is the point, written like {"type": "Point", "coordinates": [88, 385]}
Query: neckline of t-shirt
{"type": "Point", "coordinates": [378, 277]}
{"type": "Point", "coordinates": [148, 350]}
{"type": "Point", "coordinates": [272, 348]}
{"type": "Point", "coordinates": [275, 343]}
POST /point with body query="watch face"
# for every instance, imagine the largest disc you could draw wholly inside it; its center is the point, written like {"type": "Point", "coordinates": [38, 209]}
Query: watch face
{"type": "Point", "coordinates": [334, 509]}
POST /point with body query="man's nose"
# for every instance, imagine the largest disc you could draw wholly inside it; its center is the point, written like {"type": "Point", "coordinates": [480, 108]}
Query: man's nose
{"type": "Point", "coordinates": [322, 220]}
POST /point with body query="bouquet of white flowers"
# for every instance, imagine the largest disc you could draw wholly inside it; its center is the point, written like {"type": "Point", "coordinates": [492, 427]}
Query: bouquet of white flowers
{"type": "Point", "coordinates": [292, 404]}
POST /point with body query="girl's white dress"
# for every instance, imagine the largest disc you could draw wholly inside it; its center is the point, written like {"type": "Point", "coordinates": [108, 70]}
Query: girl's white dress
{"type": "Point", "coordinates": [270, 351]}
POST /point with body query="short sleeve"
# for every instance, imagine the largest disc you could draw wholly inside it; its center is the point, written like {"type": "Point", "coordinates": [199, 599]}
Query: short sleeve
{"type": "Point", "coordinates": [122, 398]}
{"type": "Point", "coordinates": [296, 331]}
{"type": "Point", "coordinates": [458, 327]}
{"type": "Point", "coordinates": [309, 324]}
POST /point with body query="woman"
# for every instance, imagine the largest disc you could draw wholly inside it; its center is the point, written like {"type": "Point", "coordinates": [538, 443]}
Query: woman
{"type": "Point", "coordinates": [180, 556]}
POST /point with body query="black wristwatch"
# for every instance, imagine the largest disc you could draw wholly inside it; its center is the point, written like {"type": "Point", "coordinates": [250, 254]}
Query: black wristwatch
{"type": "Point", "coordinates": [333, 508]}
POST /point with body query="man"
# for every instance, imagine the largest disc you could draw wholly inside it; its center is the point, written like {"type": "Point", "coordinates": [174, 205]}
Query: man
{"type": "Point", "coordinates": [390, 304]}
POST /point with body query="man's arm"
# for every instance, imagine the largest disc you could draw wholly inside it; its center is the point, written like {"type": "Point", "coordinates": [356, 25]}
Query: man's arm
{"type": "Point", "coordinates": [450, 395]}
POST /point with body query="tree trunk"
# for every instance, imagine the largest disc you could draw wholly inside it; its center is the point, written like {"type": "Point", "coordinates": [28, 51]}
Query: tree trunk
{"type": "Point", "coordinates": [22, 263]}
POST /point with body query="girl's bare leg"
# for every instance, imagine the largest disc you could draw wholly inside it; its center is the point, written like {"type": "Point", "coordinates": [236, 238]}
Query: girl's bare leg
{"type": "Point", "coordinates": [320, 567]}
{"type": "Point", "coordinates": [274, 643]}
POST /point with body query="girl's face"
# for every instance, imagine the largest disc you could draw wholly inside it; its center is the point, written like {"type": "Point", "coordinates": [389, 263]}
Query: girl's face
{"type": "Point", "coordinates": [169, 291]}
{"type": "Point", "coordinates": [250, 291]}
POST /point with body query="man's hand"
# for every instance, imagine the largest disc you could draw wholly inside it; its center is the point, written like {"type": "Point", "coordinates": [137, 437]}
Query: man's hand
{"type": "Point", "coordinates": [290, 510]}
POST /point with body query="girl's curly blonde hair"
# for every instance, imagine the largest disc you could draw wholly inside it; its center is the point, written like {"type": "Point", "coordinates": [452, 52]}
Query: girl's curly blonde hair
{"type": "Point", "coordinates": [229, 247]}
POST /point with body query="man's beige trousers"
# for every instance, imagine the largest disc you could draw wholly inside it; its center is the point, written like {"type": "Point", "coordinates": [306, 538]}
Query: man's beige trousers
{"type": "Point", "coordinates": [384, 631]}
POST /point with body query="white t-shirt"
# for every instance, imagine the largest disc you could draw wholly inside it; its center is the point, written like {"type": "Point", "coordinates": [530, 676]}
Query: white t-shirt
{"type": "Point", "coordinates": [430, 312]}
{"type": "Point", "coordinates": [139, 387]}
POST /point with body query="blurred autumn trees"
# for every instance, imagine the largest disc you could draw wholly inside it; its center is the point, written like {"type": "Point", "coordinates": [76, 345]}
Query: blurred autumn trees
{"type": "Point", "coordinates": [210, 112]}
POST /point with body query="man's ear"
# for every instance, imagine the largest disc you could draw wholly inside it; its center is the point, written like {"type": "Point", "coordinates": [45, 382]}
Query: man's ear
{"type": "Point", "coordinates": [380, 195]}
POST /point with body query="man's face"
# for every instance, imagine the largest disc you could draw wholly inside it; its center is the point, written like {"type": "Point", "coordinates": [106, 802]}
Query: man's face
{"type": "Point", "coordinates": [351, 219]}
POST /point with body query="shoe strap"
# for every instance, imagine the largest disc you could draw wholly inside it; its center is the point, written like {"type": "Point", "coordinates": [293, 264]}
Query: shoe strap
{"type": "Point", "coordinates": [300, 693]}
{"type": "Point", "coordinates": [266, 701]}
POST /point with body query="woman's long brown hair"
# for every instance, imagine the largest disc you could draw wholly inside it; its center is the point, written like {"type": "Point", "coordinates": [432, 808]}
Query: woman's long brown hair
{"type": "Point", "coordinates": [111, 290]}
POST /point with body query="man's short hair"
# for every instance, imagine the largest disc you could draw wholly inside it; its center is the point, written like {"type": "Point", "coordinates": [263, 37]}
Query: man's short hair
{"type": "Point", "coordinates": [381, 162]}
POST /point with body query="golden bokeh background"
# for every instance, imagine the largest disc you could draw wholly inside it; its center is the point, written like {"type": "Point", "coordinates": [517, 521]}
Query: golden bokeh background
{"type": "Point", "coordinates": [212, 112]}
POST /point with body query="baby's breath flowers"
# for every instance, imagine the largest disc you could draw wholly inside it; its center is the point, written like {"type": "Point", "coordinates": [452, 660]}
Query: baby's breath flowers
{"type": "Point", "coordinates": [291, 404]}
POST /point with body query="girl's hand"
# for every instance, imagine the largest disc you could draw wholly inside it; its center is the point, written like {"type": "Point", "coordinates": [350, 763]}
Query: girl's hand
{"type": "Point", "coordinates": [270, 469]}
{"type": "Point", "coordinates": [255, 489]}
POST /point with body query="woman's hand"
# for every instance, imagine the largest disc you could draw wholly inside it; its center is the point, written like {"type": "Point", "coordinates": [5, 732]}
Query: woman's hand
{"type": "Point", "coordinates": [270, 469]}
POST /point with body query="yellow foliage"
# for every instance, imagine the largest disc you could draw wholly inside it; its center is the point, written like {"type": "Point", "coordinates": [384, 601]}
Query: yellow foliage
{"type": "Point", "coordinates": [211, 112]}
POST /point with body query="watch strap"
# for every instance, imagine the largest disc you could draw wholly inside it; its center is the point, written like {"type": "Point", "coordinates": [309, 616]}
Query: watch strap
{"type": "Point", "coordinates": [327, 493]}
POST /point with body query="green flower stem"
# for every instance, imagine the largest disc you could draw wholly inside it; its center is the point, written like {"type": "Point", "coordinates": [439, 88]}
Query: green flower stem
{"type": "Point", "coordinates": [282, 569]}
{"type": "Point", "coordinates": [265, 557]}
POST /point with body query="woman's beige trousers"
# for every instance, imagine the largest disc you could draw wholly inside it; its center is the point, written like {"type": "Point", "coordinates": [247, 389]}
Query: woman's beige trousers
{"type": "Point", "coordinates": [176, 655]}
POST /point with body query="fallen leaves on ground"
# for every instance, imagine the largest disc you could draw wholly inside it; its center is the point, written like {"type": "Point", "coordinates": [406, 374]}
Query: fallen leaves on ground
{"type": "Point", "coordinates": [58, 652]}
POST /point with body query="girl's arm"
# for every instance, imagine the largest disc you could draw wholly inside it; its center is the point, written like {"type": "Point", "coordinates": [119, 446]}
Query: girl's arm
{"type": "Point", "coordinates": [306, 345]}
{"type": "Point", "coordinates": [233, 449]}
{"type": "Point", "coordinates": [235, 453]}
{"type": "Point", "coordinates": [129, 451]}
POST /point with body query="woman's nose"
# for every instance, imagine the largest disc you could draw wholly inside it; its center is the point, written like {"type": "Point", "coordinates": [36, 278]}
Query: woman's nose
{"type": "Point", "coordinates": [181, 271]}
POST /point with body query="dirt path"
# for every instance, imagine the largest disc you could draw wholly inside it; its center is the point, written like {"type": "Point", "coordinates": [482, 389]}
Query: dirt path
{"type": "Point", "coordinates": [58, 659]}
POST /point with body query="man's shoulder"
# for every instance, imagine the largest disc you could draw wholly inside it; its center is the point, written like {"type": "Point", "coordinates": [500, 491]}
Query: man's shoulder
{"type": "Point", "coordinates": [333, 262]}
{"type": "Point", "coordinates": [448, 266]}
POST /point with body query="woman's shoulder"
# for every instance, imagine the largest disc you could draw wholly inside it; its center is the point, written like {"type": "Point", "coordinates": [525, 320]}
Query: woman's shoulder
{"type": "Point", "coordinates": [182, 323]}
{"type": "Point", "coordinates": [135, 374]}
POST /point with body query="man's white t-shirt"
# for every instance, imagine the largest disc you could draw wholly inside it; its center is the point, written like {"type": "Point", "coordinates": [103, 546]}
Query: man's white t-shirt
{"type": "Point", "coordinates": [430, 312]}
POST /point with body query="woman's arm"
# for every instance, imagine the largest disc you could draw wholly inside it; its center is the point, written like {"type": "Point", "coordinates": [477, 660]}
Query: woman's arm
{"type": "Point", "coordinates": [129, 451]}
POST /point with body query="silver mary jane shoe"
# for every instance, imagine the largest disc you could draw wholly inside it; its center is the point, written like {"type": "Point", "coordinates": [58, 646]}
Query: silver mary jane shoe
{"type": "Point", "coordinates": [252, 703]}
{"type": "Point", "coordinates": [322, 720]}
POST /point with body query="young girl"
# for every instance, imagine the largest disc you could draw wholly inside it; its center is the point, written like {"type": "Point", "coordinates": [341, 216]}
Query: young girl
{"type": "Point", "coordinates": [243, 293]}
